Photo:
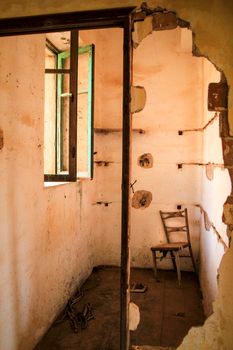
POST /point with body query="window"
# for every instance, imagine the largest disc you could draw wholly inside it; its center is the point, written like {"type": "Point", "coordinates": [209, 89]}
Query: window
{"type": "Point", "coordinates": [85, 112]}
{"type": "Point", "coordinates": [68, 108]}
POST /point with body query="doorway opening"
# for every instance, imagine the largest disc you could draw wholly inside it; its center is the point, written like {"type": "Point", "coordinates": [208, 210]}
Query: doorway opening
{"type": "Point", "coordinates": [182, 121]}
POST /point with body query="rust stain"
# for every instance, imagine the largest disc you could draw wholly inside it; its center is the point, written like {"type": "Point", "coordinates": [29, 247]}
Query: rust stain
{"type": "Point", "coordinates": [27, 120]}
{"type": "Point", "coordinates": [216, 115]}
{"type": "Point", "coordinates": [1, 139]}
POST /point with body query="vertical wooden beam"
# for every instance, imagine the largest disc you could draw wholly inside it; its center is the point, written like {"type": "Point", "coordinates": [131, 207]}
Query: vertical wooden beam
{"type": "Point", "coordinates": [125, 212]}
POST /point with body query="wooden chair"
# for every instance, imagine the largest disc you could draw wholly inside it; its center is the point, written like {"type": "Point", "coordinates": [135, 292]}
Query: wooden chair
{"type": "Point", "coordinates": [174, 248]}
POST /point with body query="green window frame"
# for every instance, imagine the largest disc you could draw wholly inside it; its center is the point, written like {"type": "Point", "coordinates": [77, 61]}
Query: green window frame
{"type": "Point", "coordinates": [73, 173]}
{"type": "Point", "coordinates": [61, 57]}
{"type": "Point", "coordinates": [90, 50]}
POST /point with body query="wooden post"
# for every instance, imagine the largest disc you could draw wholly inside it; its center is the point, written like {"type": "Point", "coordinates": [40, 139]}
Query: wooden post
{"type": "Point", "coordinates": [125, 212]}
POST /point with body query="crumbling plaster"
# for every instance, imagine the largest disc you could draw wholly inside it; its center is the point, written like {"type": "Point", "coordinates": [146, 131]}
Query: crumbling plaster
{"type": "Point", "coordinates": [207, 338]}
{"type": "Point", "coordinates": [213, 37]}
{"type": "Point", "coordinates": [212, 24]}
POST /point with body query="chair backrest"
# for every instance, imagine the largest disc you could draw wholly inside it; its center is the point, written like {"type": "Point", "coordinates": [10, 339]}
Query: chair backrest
{"type": "Point", "coordinates": [167, 217]}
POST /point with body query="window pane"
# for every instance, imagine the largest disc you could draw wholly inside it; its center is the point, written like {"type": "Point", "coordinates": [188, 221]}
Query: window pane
{"type": "Point", "coordinates": [60, 127]}
{"type": "Point", "coordinates": [84, 122]}
{"type": "Point", "coordinates": [83, 60]}
{"type": "Point", "coordinates": [82, 135]}
{"type": "Point", "coordinates": [56, 130]}
{"type": "Point", "coordinates": [63, 101]}
{"type": "Point", "coordinates": [50, 124]}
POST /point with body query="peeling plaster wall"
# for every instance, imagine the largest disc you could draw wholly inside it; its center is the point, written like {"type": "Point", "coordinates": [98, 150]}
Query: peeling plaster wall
{"type": "Point", "coordinates": [213, 38]}
{"type": "Point", "coordinates": [107, 144]}
{"type": "Point", "coordinates": [214, 194]}
{"type": "Point", "coordinates": [163, 64]}
{"type": "Point", "coordinates": [46, 243]}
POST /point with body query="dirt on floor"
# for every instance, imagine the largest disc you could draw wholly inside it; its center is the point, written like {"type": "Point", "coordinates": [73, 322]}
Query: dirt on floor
{"type": "Point", "coordinates": [167, 312]}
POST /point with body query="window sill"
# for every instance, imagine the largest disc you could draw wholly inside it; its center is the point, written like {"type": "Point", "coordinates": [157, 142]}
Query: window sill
{"type": "Point", "coordinates": [48, 184]}
{"type": "Point", "coordinates": [53, 184]}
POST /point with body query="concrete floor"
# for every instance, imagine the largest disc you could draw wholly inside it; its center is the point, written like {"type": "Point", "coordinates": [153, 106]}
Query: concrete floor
{"type": "Point", "coordinates": [167, 312]}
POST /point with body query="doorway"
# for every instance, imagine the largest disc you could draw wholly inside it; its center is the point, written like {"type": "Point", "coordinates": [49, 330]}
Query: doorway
{"type": "Point", "coordinates": [170, 162]}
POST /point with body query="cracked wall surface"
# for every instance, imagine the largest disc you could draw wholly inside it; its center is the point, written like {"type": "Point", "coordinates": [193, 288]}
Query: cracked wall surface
{"type": "Point", "coordinates": [212, 23]}
{"type": "Point", "coordinates": [215, 188]}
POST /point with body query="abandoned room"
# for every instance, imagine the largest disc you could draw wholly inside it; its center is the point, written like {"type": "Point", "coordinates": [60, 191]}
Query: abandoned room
{"type": "Point", "coordinates": [116, 150]}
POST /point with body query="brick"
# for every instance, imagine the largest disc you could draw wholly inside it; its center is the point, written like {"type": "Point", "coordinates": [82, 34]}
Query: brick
{"type": "Point", "coordinates": [164, 21]}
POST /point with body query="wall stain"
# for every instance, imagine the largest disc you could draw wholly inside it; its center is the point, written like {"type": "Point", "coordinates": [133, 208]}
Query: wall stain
{"type": "Point", "coordinates": [27, 120]}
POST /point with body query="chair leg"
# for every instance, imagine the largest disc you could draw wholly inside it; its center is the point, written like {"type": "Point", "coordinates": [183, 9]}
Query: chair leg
{"type": "Point", "coordinates": [177, 261]}
{"type": "Point", "coordinates": [154, 264]}
{"type": "Point", "coordinates": [192, 258]}
{"type": "Point", "coordinates": [173, 259]}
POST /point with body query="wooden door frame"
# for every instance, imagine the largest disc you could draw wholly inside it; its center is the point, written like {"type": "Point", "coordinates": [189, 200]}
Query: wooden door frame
{"type": "Point", "coordinates": [109, 18]}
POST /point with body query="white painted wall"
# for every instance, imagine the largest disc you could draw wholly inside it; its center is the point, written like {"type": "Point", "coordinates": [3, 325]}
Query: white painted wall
{"type": "Point", "coordinates": [176, 84]}
{"type": "Point", "coordinates": [164, 65]}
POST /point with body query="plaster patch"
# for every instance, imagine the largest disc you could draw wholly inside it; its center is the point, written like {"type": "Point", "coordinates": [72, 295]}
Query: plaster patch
{"type": "Point", "coordinates": [145, 160]}
{"type": "Point", "coordinates": [138, 98]}
{"type": "Point", "coordinates": [141, 199]}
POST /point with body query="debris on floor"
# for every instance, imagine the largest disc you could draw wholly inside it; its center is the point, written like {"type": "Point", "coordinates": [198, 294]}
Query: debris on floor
{"type": "Point", "coordinates": [138, 288]}
{"type": "Point", "coordinates": [167, 312]}
{"type": "Point", "coordinates": [78, 320]}
{"type": "Point", "coordinates": [134, 316]}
